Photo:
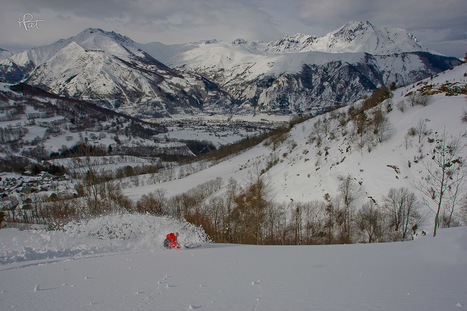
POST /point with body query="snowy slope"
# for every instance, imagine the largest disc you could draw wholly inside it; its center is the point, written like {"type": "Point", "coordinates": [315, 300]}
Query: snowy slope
{"type": "Point", "coordinates": [75, 270]}
{"type": "Point", "coordinates": [356, 37]}
{"type": "Point", "coordinates": [310, 176]}
{"type": "Point", "coordinates": [301, 74]}
{"type": "Point", "coordinates": [89, 39]}
{"type": "Point", "coordinates": [110, 70]}
{"type": "Point", "coordinates": [353, 37]}
{"type": "Point", "coordinates": [304, 172]}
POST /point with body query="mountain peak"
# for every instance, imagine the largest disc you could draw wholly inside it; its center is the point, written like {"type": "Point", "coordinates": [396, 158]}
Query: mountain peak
{"type": "Point", "coordinates": [292, 43]}
{"type": "Point", "coordinates": [353, 37]}
{"type": "Point", "coordinates": [353, 31]}
{"type": "Point", "coordinates": [358, 25]}
{"type": "Point", "coordinates": [239, 41]}
{"type": "Point", "coordinates": [110, 42]}
{"type": "Point", "coordinates": [363, 36]}
{"type": "Point", "coordinates": [93, 33]}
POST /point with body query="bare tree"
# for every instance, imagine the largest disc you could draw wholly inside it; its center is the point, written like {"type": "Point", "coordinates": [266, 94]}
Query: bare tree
{"type": "Point", "coordinates": [402, 206]}
{"type": "Point", "coordinates": [153, 203]}
{"type": "Point", "coordinates": [422, 129]}
{"type": "Point", "coordinates": [455, 194]}
{"type": "Point", "coordinates": [445, 171]}
{"type": "Point", "coordinates": [314, 221]}
{"type": "Point", "coordinates": [297, 212]}
{"type": "Point", "coordinates": [250, 211]}
{"type": "Point", "coordinates": [463, 210]}
{"type": "Point", "coordinates": [407, 141]}
{"type": "Point", "coordinates": [361, 123]}
{"type": "Point", "coordinates": [417, 98]}
{"type": "Point", "coordinates": [274, 222]}
{"type": "Point", "coordinates": [401, 106]}
{"type": "Point", "coordinates": [381, 125]}
{"type": "Point", "coordinates": [348, 190]}
{"type": "Point", "coordinates": [334, 219]}
{"type": "Point", "coordinates": [369, 221]}
{"type": "Point", "coordinates": [229, 225]}
{"type": "Point", "coordinates": [250, 206]}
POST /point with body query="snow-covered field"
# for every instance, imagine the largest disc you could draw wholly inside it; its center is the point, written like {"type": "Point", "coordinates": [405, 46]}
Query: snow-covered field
{"type": "Point", "coordinates": [82, 269]}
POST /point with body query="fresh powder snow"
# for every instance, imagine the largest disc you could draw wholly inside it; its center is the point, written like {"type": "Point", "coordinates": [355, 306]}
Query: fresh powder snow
{"type": "Point", "coordinates": [118, 263]}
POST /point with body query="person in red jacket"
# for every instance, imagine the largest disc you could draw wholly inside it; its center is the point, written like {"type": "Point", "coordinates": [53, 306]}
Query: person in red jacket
{"type": "Point", "coordinates": [171, 241]}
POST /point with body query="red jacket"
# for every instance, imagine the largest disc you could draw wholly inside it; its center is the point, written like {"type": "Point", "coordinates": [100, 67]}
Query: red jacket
{"type": "Point", "coordinates": [173, 240]}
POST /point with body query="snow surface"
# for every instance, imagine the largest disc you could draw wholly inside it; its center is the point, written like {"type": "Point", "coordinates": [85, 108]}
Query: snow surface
{"type": "Point", "coordinates": [81, 269]}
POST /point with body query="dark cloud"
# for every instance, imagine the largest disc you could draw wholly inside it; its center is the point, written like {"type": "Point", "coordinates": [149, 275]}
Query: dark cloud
{"type": "Point", "coordinates": [176, 21]}
{"type": "Point", "coordinates": [169, 14]}
{"type": "Point", "coordinates": [407, 13]}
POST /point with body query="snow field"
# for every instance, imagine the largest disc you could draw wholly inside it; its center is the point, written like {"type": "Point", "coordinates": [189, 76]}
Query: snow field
{"type": "Point", "coordinates": [95, 236]}
{"type": "Point", "coordinates": [425, 274]}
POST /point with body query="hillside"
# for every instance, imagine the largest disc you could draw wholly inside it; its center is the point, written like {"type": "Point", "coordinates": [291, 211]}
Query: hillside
{"type": "Point", "coordinates": [314, 182]}
{"type": "Point", "coordinates": [333, 178]}
{"type": "Point", "coordinates": [36, 124]}
{"type": "Point", "coordinates": [314, 158]}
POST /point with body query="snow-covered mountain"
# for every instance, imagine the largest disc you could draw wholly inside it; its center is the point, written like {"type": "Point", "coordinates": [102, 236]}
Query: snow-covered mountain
{"type": "Point", "coordinates": [296, 74]}
{"type": "Point", "coordinates": [352, 37]}
{"type": "Point", "coordinates": [108, 69]}
{"type": "Point", "coordinates": [304, 73]}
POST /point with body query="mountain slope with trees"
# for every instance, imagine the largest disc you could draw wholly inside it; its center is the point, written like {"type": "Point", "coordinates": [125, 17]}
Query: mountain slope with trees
{"type": "Point", "coordinates": [385, 168]}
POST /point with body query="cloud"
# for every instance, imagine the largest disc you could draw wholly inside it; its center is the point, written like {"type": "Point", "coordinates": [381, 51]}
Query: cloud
{"type": "Point", "coordinates": [174, 20]}
{"type": "Point", "coordinates": [407, 14]}
{"type": "Point", "coordinates": [178, 21]}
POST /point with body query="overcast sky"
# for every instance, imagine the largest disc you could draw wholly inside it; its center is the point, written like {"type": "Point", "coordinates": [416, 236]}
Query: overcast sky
{"type": "Point", "coordinates": [440, 25]}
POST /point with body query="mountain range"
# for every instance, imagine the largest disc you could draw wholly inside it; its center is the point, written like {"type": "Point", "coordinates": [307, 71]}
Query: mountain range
{"type": "Point", "coordinates": [293, 75]}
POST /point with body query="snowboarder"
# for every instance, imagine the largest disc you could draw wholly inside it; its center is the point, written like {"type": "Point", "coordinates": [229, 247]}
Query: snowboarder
{"type": "Point", "coordinates": [171, 241]}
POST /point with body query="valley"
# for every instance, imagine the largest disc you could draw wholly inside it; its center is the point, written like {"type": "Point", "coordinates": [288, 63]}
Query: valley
{"type": "Point", "coordinates": [233, 155]}
{"type": "Point", "coordinates": [189, 130]}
